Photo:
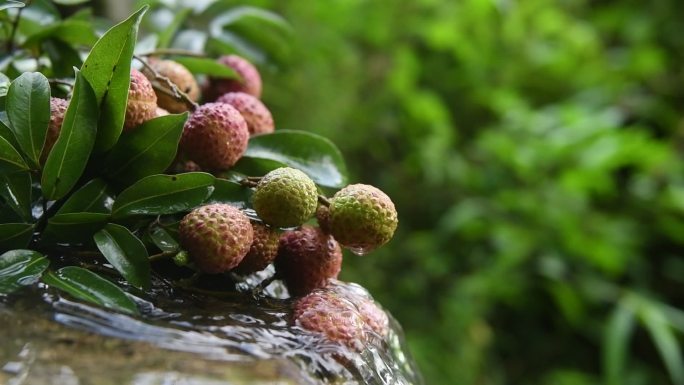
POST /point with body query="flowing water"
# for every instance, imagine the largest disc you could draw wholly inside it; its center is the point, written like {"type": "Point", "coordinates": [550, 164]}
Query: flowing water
{"type": "Point", "coordinates": [184, 337]}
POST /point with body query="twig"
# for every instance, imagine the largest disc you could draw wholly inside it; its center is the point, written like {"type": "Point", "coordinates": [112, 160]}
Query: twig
{"type": "Point", "coordinates": [61, 82]}
{"type": "Point", "coordinates": [323, 200]}
{"type": "Point", "coordinates": [173, 51]}
{"type": "Point", "coordinates": [161, 256]}
{"type": "Point", "coordinates": [171, 88]}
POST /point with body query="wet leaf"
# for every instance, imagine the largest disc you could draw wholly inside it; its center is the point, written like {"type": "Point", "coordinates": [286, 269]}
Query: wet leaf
{"type": "Point", "coordinates": [69, 156]}
{"type": "Point", "coordinates": [28, 110]}
{"type": "Point", "coordinates": [164, 194]}
{"type": "Point", "coordinates": [108, 68]}
{"type": "Point", "coordinates": [94, 197]}
{"type": "Point", "coordinates": [15, 235]}
{"type": "Point", "coordinates": [74, 227]}
{"type": "Point", "coordinates": [10, 159]}
{"type": "Point", "coordinates": [313, 154]}
{"type": "Point", "coordinates": [16, 190]}
{"type": "Point", "coordinates": [147, 150]}
{"type": "Point", "coordinates": [20, 268]}
{"type": "Point", "coordinates": [126, 253]}
{"type": "Point", "coordinates": [163, 240]}
{"type": "Point", "coordinates": [88, 286]}
{"type": "Point", "coordinates": [616, 344]}
{"type": "Point", "coordinates": [207, 66]}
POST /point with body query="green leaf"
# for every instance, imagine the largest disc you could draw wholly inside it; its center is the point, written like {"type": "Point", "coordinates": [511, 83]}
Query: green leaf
{"type": "Point", "coordinates": [665, 341]}
{"type": "Point", "coordinates": [4, 84]}
{"type": "Point", "coordinates": [16, 190]}
{"type": "Point", "coordinates": [10, 159]}
{"type": "Point", "coordinates": [313, 154]}
{"type": "Point", "coordinates": [226, 191]}
{"type": "Point", "coordinates": [28, 110]}
{"type": "Point", "coordinates": [164, 241]}
{"type": "Point", "coordinates": [5, 130]}
{"type": "Point", "coordinates": [88, 286]}
{"type": "Point", "coordinates": [63, 57]}
{"type": "Point", "coordinates": [94, 197]}
{"type": "Point", "coordinates": [166, 36]}
{"type": "Point", "coordinates": [616, 344]}
{"type": "Point", "coordinates": [20, 268]}
{"type": "Point", "coordinates": [73, 32]}
{"type": "Point", "coordinates": [74, 227]}
{"type": "Point", "coordinates": [11, 4]}
{"type": "Point", "coordinates": [69, 156]}
{"type": "Point", "coordinates": [15, 235]}
{"type": "Point", "coordinates": [108, 68]}
{"type": "Point", "coordinates": [206, 66]}
{"type": "Point", "coordinates": [126, 253]}
{"type": "Point", "coordinates": [70, 2]}
{"type": "Point", "coordinates": [164, 194]}
{"type": "Point", "coordinates": [147, 150]}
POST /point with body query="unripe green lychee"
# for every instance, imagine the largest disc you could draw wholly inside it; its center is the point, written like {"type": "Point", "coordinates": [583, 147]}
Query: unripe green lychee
{"type": "Point", "coordinates": [142, 101]}
{"type": "Point", "coordinates": [217, 237]}
{"type": "Point", "coordinates": [263, 250]}
{"type": "Point", "coordinates": [215, 136]}
{"type": "Point", "coordinates": [249, 79]}
{"type": "Point", "coordinates": [285, 197]}
{"type": "Point", "coordinates": [362, 218]}
{"type": "Point", "coordinates": [258, 117]}
{"type": "Point", "coordinates": [58, 108]}
{"type": "Point", "coordinates": [307, 259]}
{"type": "Point", "coordinates": [178, 75]}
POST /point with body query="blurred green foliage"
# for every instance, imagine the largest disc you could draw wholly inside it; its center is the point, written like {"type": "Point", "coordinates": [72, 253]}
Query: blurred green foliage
{"type": "Point", "coordinates": [534, 151]}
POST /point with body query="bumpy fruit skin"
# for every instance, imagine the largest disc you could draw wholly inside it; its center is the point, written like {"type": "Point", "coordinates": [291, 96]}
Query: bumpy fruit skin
{"type": "Point", "coordinates": [362, 218]}
{"type": "Point", "coordinates": [285, 197]}
{"type": "Point", "coordinates": [215, 136]}
{"type": "Point", "coordinates": [142, 101]}
{"type": "Point", "coordinates": [57, 109]}
{"type": "Point", "coordinates": [217, 237]}
{"type": "Point", "coordinates": [181, 77]}
{"type": "Point", "coordinates": [249, 82]}
{"type": "Point", "coordinates": [307, 259]}
{"type": "Point", "coordinates": [263, 250]}
{"type": "Point", "coordinates": [258, 117]}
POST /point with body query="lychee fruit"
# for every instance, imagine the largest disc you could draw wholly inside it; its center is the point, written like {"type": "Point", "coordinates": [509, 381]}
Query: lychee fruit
{"type": "Point", "coordinates": [178, 75]}
{"type": "Point", "coordinates": [161, 112]}
{"type": "Point", "coordinates": [307, 259]}
{"type": "Point", "coordinates": [263, 250]}
{"type": "Point", "coordinates": [217, 237]}
{"type": "Point", "coordinates": [285, 197]}
{"type": "Point", "coordinates": [258, 117]}
{"type": "Point", "coordinates": [327, 313]}
{"type": "Point", "coordinates": [249, 79]}
{"type": "Point", "coordinates": [362, 218]}
{"type": "Point", "coordinates": [58, 108]}
{"type": "Point", "coordinates": [142, 101]}
{"type": "Point", "coordinates": [215, 136]}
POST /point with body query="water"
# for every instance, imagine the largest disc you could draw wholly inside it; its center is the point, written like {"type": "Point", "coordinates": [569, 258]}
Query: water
{"type": "Point", "coordinates": [239, 328]}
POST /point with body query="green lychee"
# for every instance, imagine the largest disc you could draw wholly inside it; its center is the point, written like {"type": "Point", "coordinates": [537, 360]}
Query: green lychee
{"type": "Point", "coordinates": [142, 101]}
{"type": "Point", "coordinates": [362, 218]}
{"type": "Point", "coordinates": [258, 117]}
{"type": "Point", "coordinates": [285, 197]}
{"type": "Point", "coordinates": [178, 75]}
{"type": "Point", "coordinates": [307, 259]}
{"type": "Point", "coordinates": [249, 79]}
{"type": "Point", "coordinates": [215, 136]}
{"type": "Point", "coordinates": [217, 237]}
{"type": "Point", "coordinates": [263, 250]}
{"type": "Point", "coordinates": [58, 108]}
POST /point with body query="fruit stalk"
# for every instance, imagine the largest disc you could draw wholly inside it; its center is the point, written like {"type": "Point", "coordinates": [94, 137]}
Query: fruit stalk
{"type": "Point", "coordinates": [170, 88]}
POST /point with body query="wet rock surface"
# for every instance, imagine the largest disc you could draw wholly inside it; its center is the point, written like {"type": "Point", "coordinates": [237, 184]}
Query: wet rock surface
{"type": "Point", "coordinates": [184, 338]}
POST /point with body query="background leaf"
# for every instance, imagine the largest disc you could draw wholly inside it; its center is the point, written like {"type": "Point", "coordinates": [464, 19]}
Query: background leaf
{"type": "Point", "coordinates": [16, 191]}
{"type": "Point", "coordinates": [28, 109]}
{"type": "Point", "coordinates": [20, 268]}
{"type": "Point", "coordinates": [164, 194]}
{"type": "Point", "coordinates": [10, 159]}
{"type": "Point", "coordinates": [147, 150]}
{"type": "Point", "coordinates": [616, 344]}
{"type": "Point", "coordinates": [74, 227]}
{"type": "Point", "coordinates": [315, 155]}
{"type": "Point", "coordinates": [11, 4]}
{"type": "Point", "coordinates": [162, 239]}
{"type": "Point", "coordinates": [206, 66]}
{"type": "Point", "coordinates": [15, 235]}
{"type": "Point", "coordinates": [665, 341]}
{"type": "Point", "coordinates": [108, 68]}
{"type": "Point", "coordinates": [88, 286]}
{"type": "Point", "coordinates": [126, 253]}
{"type": "Point", "coordinates": [69, 156]}
{"type": "Point", "coordinates": [226, 191]}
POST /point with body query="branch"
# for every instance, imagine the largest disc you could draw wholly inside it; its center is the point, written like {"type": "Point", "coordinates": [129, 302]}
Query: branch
{"type": "Point", "coordinates": [171, 89]}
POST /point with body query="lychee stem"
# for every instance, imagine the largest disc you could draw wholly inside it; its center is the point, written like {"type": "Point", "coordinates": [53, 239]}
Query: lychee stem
{"type": "Point", "coordinates": [323, 200]}
{"type": "Point", "coordinates": [162, 256]}
{"type": "Point", "coordinates": [173, 51]}
{"type": "Point", "coordinates": [171, 89]}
